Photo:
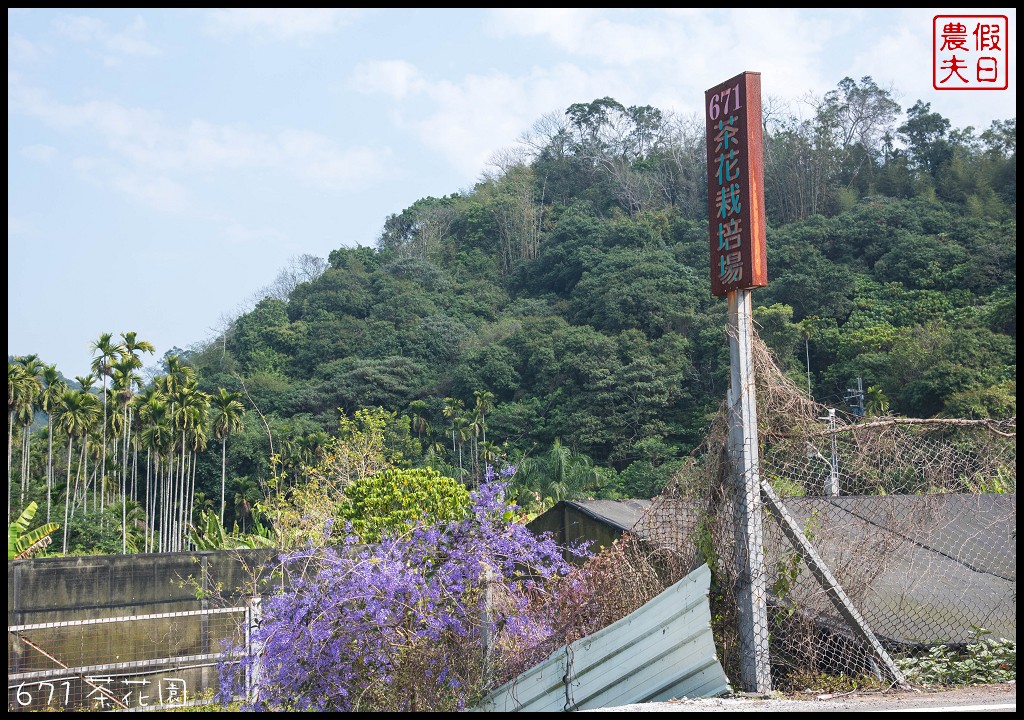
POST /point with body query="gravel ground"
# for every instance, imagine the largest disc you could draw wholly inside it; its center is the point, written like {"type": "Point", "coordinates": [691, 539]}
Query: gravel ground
{"type": "Point", "coordinates": [996, 697]}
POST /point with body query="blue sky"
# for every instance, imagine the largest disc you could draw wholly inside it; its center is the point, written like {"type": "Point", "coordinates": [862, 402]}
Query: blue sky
{"type": "Point", "coordinates": [164, 165]}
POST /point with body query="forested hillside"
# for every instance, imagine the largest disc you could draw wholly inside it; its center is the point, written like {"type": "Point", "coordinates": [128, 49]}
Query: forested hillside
{"type": "Point", "coordinates": [558, 315]}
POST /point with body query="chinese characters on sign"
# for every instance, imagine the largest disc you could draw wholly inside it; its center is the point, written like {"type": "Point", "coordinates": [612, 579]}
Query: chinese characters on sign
{"type": "Point", "coordinates": [736, 184]}
{"type": "Point", "coordinates": [107, 692]}
{"type": "Point", "coordinates": [970, 52]}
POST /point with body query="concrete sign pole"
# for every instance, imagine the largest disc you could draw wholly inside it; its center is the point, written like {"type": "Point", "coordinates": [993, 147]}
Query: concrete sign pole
{"type": "Point", "coordinates": [736, 232]}
{"type": "Point", "coordinates": [750, 590]}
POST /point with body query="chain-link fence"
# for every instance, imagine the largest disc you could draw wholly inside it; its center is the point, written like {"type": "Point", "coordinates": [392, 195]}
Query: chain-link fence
{"type": "Point", "coordinates": [881, 536]}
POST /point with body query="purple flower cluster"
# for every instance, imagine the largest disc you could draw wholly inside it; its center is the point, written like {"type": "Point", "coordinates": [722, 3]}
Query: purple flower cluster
{"type": "Point", "coordinates": [354, 623]}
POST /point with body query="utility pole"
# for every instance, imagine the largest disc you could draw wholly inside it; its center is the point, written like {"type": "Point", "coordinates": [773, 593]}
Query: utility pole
{"type": "Point", "coordinates": [807, 350]}
{"type": "Point", "coordinates": [832, 487]}
{"type": "Point", "coordinates": [857, 407]}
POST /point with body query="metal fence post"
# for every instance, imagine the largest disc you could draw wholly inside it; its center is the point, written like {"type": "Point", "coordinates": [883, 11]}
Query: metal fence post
{"type": "Point", "coordinates": [253, 650]}
{"type": "Point", "coordinates": [486, 623]}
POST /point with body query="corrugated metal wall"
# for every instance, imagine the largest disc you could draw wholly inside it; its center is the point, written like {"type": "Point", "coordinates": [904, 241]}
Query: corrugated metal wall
{"type": "Point", "coordinates": [661, 651]}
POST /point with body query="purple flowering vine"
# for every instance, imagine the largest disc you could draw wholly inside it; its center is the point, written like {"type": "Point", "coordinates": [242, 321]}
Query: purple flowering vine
{"type": "Point", "coordinates": [396, 626]}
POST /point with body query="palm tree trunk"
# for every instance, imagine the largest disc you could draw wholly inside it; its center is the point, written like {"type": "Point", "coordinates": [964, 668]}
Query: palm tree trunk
{"type": "Point", "coordinates": [10, 458]}
{"type": "Point", "coordinates": [183, 491]}
{"type": "Point", "coordinates": [223, 474]}
{"type": "Point", "coordinates": [164, 502]}
{"type": "Point", "coordinates": [124, 485]}
{"type": "Point", "coordinates": [79, 480]}
{"type": "Point", "coordinates": [476, 460]}
{"type": "Point", "coordinates": [49, 462]}
{"type": "Point", "coordinates": [67, 499]}
{"type": "Point", "coordinates": [148, 502]}
{"type": "Point", "coordinates": [26, 444]}
{"type": "Point", "coordinates": [85, 467]}
{"type": "Point", "coordinates": [161, 482]}
{"type": "Point", "coordinates": [103, 461]}
{"type": "Point", "coordinates": [144, 501]}
{"type": "Point", "coordinates": [192, 492]}
{"type": "Point", "coordinates": [170, 493]}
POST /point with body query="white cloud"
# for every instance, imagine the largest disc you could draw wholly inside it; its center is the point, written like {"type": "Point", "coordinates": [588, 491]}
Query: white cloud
{"type": "Point", "coordinates": [395, 78]}
{"type": "Point", "coordinates": [117, 45]}
{"type": "Point", "coordinates": [20, 49]}
{"type": "Point", "coordinates": [39, 153]}
{"type": "Point", "coordinates": [146, 146]}
{"type": "Point", "coordinates": [645, 57]}
{"type": "Point", "coordinates": [146, 187]}
{"type": "Point", "coordinates": [238, 234]}
{"type": "Point", "coordinates": [17, 227]}
{"type": "Point", "coordinates": [468, 121]}
{"type": "Point", "coordinates": [280, 23]}
{"type": "Point", "coordinates": [321, 162]}
{"type": "Point", "coordinates": [670, 47]}
{"type": "Point", "coordinates": [564, 27]}
{"type": "Point", "coordinates": [160, 193]}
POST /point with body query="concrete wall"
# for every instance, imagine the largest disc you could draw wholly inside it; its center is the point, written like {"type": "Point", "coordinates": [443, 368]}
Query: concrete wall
{"type": "Point", "coordinates": [158, 661]}
{"type": "Point", "coordinates": [57, 589]}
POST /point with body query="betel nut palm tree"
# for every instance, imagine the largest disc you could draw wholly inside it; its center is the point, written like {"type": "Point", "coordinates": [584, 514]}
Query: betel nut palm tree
{"type": "Point", "coordinates": [227, 419]}
{"type": "Point", "coordinates": [105, 352]}
{"type": "Point", "coordinates": [78, 410]}
{"type": "Point", "coordinates": [22, 387]}
{"type": "Point", "coordinates": [49, 399]}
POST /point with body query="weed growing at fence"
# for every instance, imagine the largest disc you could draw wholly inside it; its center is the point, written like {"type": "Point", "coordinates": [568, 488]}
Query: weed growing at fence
{"type": "Point", "coordinates": [819, 683]}
{"type": "Point", "coordinates": [396, 626]}
{"type": "Point", "coordinates": [987, 660]}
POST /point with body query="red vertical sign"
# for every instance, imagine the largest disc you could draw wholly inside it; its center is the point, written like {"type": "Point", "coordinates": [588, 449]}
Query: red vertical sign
{"type": "Point", "coordinates": [736, 219]}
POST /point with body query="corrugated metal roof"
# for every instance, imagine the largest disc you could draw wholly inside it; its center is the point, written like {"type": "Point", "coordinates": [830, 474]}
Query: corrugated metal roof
{"type": "Point", "coordinates": [621, 514]}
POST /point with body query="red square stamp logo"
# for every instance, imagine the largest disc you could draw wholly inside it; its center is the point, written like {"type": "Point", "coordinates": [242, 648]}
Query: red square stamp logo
{"type": "Point", "coordinates": [970, 52]}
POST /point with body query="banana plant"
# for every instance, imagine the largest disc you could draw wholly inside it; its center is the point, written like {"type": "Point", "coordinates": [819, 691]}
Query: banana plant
{"type": "Point", "coordinates": [211, 535]}
{"type": "Point", "coordinates": [22, 542]}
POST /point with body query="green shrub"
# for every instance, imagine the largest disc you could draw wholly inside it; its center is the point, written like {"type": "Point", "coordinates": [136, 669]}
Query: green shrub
{"type": "Point", "coordinates": [987, 660]}
{"type": "Point", "coordinates": [395, 499]}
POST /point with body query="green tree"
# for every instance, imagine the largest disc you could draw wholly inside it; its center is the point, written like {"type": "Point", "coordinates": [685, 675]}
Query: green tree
{"type": "Point", "coordinates": [53, 387]}
{"type": "Point", "coordinates": [419, 416]}
{"type": "Point", "coordinates": [105, 352]}
{"type": "Point", "coordinates": [453, 410]}
{"type": "Point", "coordinates": [856, 118]}
{"type": "Point", "coordinates": [78, 411]}
{"type": "Point", "coordinates": [190, 420]}
{"type": "Point", "coordinates": [635, 288]}
{"type": "Point", "coordinates": [392, 500]}
{"type": "Point", "coordinates": [483, 404]}
{"type": "Point", "coordinates": [227, 419]}
{"type": "Point", "coordinates": [875, 402]}
{"type": "Point", "coordinates": [124, 380]}
{"type": "Point", "coordinates": [926, 135]}
{"type": "Point", "coordinates": [22, 386]}
{"type": "Point", "coordinates": [157, 436]}
{"type": "Point", "coordinates": [559, 474]}
{"type": "Point", "coordinates": [776, 327]}
{"type": "Point", "coordinates": [34, 368]}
